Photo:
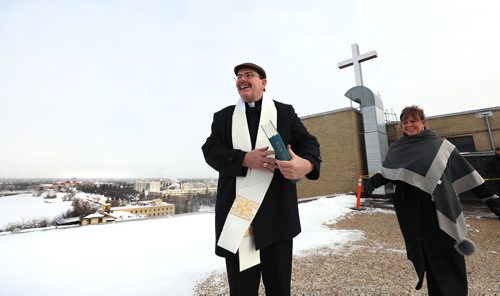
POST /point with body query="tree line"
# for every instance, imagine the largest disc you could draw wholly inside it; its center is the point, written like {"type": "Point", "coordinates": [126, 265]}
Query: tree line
{"type": "Point", "coordinates": [120, 191]}
{"type": "Point", "coordinates": [191, 203]}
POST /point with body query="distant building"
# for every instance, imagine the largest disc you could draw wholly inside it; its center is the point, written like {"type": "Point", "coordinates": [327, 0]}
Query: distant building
{"type": "Point", "coordinates": [147, 209]}
{"type": "Point", "coordinates": [67, 221]}
{"type": "Point", "coordinates": [155, 186]}
{"type": "Point", "coordinates": [189, 190]}
{"type": "Point", "coordinates": [149, 186]}
{"type": "Point", "coordinates": [141, 186]}
{"type": "Point", "coordinates": [43, 187]}
{"type": "Point", "coordinates": [96, 218]}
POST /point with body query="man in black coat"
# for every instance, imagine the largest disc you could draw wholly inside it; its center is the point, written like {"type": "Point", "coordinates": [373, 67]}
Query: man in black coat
{"type": "Point", "coordinates": [275, 220]}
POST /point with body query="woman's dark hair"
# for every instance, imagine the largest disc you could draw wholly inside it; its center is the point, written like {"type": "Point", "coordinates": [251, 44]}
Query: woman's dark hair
{"type": "Point", "coordinates": [413, 111]}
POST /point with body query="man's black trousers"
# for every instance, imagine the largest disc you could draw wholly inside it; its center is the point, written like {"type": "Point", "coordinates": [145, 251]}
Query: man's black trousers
{"type": "Point", "coordinates": [275, 267]}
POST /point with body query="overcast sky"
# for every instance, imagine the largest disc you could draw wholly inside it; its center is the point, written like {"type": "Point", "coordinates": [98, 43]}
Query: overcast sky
{"type": "Point", "coordinates": [100, 88]}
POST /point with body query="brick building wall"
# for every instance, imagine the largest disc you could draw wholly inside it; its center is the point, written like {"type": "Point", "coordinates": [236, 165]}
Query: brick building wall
{"type": "Point", "coordinates": [341, 142]}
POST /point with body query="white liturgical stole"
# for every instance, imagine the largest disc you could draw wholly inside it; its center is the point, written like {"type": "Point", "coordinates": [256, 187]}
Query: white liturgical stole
{"type": "Point", "coordinates": [250, 190]}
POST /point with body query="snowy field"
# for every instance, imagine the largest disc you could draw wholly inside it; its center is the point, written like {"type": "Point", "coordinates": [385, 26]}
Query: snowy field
{"type": "Point", "coordinates": [22, 207]}
{"type": "Point", "coordinates": [163, 256]}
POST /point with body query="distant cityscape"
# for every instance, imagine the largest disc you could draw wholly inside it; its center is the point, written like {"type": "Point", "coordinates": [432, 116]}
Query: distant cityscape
{"type": "Point", "coordinates": [165, 186]}
{"type": "Point", "coordinates": [98, 201]}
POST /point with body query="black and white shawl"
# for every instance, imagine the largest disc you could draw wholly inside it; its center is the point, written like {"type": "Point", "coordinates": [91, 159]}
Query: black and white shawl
{"type": "Point", "coordinates": [435, 166]}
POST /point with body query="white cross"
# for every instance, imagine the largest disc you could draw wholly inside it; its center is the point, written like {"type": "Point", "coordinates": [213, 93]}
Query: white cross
{"type": "Point", "coordinates": [355, 61]}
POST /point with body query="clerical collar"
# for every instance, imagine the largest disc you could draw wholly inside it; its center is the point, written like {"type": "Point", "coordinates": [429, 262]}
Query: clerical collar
{"type": "Point", "coordinates": [254, 104]}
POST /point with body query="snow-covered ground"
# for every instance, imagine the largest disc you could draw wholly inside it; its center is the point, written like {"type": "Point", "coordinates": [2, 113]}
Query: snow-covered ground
{"type": "Point", "coordinates": [163, 256]}
{"type": "Point", "coordinates": [22, 207]}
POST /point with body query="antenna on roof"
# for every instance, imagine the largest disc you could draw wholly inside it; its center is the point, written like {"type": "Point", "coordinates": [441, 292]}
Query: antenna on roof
{"type": "Point", "coordinates": [390, 116]}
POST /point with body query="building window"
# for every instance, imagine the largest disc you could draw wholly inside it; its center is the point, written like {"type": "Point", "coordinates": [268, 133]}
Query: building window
{"type": "Point", "coordinates": [463, 144]}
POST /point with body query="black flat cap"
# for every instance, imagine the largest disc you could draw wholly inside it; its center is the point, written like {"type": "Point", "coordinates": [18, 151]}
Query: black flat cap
{"type": "Point", "coordinates": [252, 66]}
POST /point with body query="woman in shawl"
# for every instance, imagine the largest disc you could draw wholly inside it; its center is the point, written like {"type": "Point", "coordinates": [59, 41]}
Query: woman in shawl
{"type": "Point", "coordinates": [429, 173]}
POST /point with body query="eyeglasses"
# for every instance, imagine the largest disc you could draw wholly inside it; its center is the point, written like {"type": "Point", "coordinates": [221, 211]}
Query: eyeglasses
{"type": "Point", "coordinates": [247, 75]}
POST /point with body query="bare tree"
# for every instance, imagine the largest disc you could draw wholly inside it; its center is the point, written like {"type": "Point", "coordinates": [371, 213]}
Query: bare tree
{"type": "Point", "coordinates": [79, 208]}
